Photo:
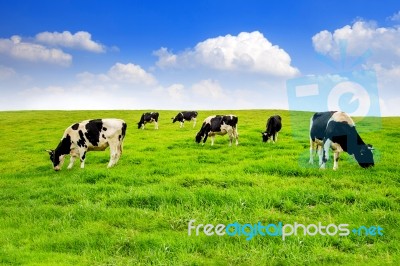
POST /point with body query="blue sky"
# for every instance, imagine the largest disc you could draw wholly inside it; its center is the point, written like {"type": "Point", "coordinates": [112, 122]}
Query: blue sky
{"type": "Point", "coordinates": [190, 54]}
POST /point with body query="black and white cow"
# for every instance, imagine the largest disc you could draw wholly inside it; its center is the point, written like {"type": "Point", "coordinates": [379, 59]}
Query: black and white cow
{"type": "Point", "coordinates": [148, 118]}
{"type": "Point", "coordinates": [337, 130]}
{"type": "Point", "coordinates": [274, 125]}
{"type": "Point", "coordinates": [185, 116]}
{"type": "Point", "coordinates": [218, 125]}
{"type": "Point", "coordinates": [90, 135]}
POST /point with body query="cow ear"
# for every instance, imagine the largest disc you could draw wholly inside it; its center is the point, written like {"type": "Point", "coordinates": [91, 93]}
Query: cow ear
{"type": "Point", "coordinates": [370, 147]}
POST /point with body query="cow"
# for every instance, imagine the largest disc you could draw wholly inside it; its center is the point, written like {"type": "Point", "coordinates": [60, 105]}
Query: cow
{"type": "Point", "coordinates": [148, 118]}
{"type": "Point", "coordinates": [274, 125]}
{"type": "Point", "coordinates": [337, 130]}
{"type": "Point", "coordinates": [218, 125]}
{"type": "Point", "coordinates": [90, 135]}
{"type": "Point", "coordinates": [185, 115]}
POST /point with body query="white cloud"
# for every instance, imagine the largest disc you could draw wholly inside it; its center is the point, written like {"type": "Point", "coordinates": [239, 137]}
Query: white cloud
{"type": "Point", "coordinates": [116, 89]}
{"type": "Point", "coordinates": [209, 89]}
{"type": "Point", "coordinates": [176, 91]}
{"type": "Point", "coordinates": [395, 17]}
{"type": "Point", "coordinates": [384, 43]}
{"type": "Point", "coordinates": [388, 84]}
{"type": "Point", "coordinates": [77, 97]}
{"type": "Point", "coordinates": [90, 78]}
{"type": "Point", "coordinates": [246, 52]}
{"type": "Point", "coordinates": [131, 73]}
{"type": "Point", "coordinates": [79, 40]}
{"type": "Point", "coordinates": [6, 72]}
{"type": "Point", "coordinates": [19, 49]}
{"type": "Point", "coordinates": [165, 58]}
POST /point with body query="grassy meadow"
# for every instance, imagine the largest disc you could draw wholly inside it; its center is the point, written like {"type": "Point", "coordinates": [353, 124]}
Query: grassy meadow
{"type": "Point", "coordinates": [137, 213]}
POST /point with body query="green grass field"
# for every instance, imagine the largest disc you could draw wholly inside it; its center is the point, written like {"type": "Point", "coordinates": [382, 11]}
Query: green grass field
{"type": "Point", "coordinates": [137, 213]}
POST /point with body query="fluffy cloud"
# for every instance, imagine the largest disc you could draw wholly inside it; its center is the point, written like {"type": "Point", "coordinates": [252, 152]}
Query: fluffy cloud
{"type": "Point", "coordinates": [131, 73]}
{"type": "Point", "coordinates": [166, 58]}
{"type": "Point", "coordinates": [176, 91]}
{"type": "Point", "coordinates": [383, 58]}
{"type": "Point", "coordinates": [80, 40]}
{"type": "Point", "coordinates": [16, 48]}
{"type": "Point", "coordinates": [65, 98]}
{"type": "Point", "coordinates": [247, 52]}
{"type": "Point", "coordinates": [119, 75]}
{"type": "Point", "coordinates": [395, 17]}
{"type": "Point", "coordinates": [115, 89]}
{"type": "Point", "coordinates": [208, 89]}
{"type": "Point", "coordinates": [384, 43]}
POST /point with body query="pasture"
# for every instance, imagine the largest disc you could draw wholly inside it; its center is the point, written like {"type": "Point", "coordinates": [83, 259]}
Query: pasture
{"type": "Point", "coordinates": [137, 213]}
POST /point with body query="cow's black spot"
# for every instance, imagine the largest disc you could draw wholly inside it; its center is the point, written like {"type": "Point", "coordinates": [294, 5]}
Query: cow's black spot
{"type": "Point", "coordinates": [64, 147]}
{"type": "Point", "coordinates": [93, 128]}
{"type": "Point", "coordinates": [83, 156]}
{"type": "Point", "coordinates": [119, 137]}
{"type": "Point", "coordinates": [103, 136]}
{"type": "Point", "coordinates": [75, 126]}
{"type": "Point", "coordinates": [319, 123]}
{"type": "Point", "coordinates": [104, 129]}
{"type": "Point", "coordinates": [81, 142]}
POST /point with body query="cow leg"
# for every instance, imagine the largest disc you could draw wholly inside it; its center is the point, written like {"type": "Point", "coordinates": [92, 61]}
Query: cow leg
{"type": "Point", "coordinates": [143, 126]}
{"type": "Point", "coordinates": [312, 150]}
{"type": "Point", "coordinates": [320, 154]}
{"type": "Point", "coordinates": [236, 135]}
{"type": "Point", "coordinates": [155, 125]}
{"type": "Point", "coordinates": [325, 152]}
{"type": "Point", "coordinates": [212, 139]}
{"type": "Point", "coordinates": [337, 150]}
{"type": "Point", "coordinates": [276, 136]}
{"type": "Point", "coordinates": [205, 138]}
{"type": "Point", "coordinates": [114, 154]}
{"type": "Point", "coordinates": [181, 124]}
{"type": "Point", "coordinates": [194, 122]}
{"type": "Point", "coordinates": [71, 161]}
{"type": "Point", "coordinates": [83, 157]}
{"type": "Point", "coordinates": [119, 151]}
{"type": "Point", "coordinates": [335, 160]}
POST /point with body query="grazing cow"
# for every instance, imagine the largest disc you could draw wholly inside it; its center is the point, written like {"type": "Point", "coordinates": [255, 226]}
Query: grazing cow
{"type": "Point", "coordinates": [185, 115]}
{"type": "Point", "coordinates": [274, 125]}
{"type": "Point", "coordinates": [337, 130]}
{"type": "Point", "coordinates": [148, 118]}
{"type": "Point", "coordinates": [90, 135]}
{"type": "Point", "coordinates": [218, 125]}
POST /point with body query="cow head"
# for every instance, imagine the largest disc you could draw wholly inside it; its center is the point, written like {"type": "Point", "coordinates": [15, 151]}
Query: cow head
{"type": "Point", "coordinates": [174, 119]}
{"type": "Point", "coordinates": [139, 125]}
{"type": "Point", "coordinates": [56, 159]}
{"type": "Point", "coordinates": [265, 136]}
{"type": "Point", "coordinates": [364, 156]}
{"type": "Point", "coordinates": [199, 137]}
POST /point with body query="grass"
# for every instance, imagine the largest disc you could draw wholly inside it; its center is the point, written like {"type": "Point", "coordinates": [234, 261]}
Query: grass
{"type": "Point", "coordinates": [137, 213]}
